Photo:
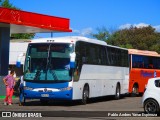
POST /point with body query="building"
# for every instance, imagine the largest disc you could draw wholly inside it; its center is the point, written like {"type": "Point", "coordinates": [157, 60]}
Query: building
{"type": "Point", "coordinates": [17, 48]}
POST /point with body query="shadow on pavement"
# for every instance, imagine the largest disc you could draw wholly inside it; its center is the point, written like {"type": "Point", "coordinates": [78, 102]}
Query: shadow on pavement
{"type": "Point", "coordinates": [69, 103]}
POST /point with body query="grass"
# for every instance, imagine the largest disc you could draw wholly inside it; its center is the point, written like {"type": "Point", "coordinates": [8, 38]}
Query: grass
{"type": "Point", "coordinates": [2, 97]}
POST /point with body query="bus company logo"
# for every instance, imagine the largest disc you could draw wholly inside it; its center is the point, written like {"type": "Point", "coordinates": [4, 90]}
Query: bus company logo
{"type": "Point", "coordinates": [45, 89]}
{"type": "Point", "coordinates": [147, 74]}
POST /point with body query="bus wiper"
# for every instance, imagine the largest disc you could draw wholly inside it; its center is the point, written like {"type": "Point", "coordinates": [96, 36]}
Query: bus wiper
{"type": "Point", "coordinates": [38, 73]}
{"type": "Point", "coordinates": [54, 75]}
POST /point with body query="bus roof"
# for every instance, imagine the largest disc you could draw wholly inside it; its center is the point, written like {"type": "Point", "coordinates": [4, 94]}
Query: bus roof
{"type": "Point", "coordinates": [143, 52]}
{"type": "Point", "coordinates": [73, 39]}
{"type": "Point", "coordinates": [68, 39]}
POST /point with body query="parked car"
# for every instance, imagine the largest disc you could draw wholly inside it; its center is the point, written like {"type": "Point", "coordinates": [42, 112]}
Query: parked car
{"type": "Point", "coordinates": [151, 96]}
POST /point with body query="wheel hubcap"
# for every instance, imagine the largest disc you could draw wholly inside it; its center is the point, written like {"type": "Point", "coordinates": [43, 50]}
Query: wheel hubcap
{"type": "Point", "coordinates": [85, 94]}
{"type": "Point", "coordinates": [150, 107]}
{"type": "Point", "coordinates": [118, 92]}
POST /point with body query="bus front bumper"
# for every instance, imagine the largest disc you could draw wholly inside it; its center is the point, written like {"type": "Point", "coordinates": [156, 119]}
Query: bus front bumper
{"type": "Point", "coordinates": [61, 94]}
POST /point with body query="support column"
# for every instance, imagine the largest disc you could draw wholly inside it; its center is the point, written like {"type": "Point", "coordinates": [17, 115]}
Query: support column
{"type": "Point", "coordinates": [4, 50]}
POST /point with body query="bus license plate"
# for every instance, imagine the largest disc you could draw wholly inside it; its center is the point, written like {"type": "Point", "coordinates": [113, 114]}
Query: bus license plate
{"type": "Point", "coordinates": [44, 95]}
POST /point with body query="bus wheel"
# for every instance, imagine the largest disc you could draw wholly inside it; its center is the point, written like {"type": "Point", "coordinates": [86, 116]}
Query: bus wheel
{"type": "Point", "coordinates": [24, 101]}
{"type": "Point", "coordinates": [85, 95]}
{"type": "Point", "coordinates": [117, 94]}
{"type": "Point", "coordinates": [135, 92]}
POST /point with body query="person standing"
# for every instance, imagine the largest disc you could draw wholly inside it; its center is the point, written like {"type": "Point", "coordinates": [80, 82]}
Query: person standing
{"type": "Point", "coordinates": [9, 81]}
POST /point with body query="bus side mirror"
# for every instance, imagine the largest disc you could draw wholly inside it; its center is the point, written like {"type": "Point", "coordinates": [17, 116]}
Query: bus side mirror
{"type": "Point", "coordinates": [19, 58]}
{"type": "Point", "coordinates": [72, 64]}
{"type": "Point", "coordinates": [72, 60]}
{"type": "Point", "coordinates": [28, 61]}
{"type": "Point", "coordinates": [18, 64]}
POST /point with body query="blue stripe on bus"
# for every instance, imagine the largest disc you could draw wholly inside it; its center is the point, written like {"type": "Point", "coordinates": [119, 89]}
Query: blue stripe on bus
{"type": "Point", "coordinates": [60, 95]}
{"type": "Point", "coordinates": [63, 95]}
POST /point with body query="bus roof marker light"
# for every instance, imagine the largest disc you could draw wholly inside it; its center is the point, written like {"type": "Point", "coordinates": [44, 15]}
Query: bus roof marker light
{"type": "Point", "coordinates": [50, 40]}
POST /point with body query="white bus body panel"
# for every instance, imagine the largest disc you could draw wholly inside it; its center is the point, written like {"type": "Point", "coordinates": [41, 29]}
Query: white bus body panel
{"type": "Point", "coordinates": [102, 80]}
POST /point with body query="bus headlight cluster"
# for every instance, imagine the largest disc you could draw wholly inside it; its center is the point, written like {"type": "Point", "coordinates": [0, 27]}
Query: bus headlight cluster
{"type": "Point", "coordinates": [64, 89]}
{"type": "Point", "coordinates": [27, 88]}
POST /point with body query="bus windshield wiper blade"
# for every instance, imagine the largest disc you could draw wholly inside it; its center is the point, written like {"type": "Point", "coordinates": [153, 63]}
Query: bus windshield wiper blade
{"type": "Point", "coordinates": [54, 75]}
{"type": "Point", "coordinates": [38, 73]}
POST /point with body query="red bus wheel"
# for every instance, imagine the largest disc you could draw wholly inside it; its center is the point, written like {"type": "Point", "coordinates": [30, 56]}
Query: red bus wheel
{"type": "Point", "coordinates": [135, 91]}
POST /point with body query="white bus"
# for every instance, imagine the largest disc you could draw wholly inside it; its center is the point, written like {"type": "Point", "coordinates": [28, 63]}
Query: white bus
{"type": "Point", "coordinates": [74, 68]}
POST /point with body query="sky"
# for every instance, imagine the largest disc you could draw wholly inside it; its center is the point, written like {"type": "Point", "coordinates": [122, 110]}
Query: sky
{"type": "Point", "coordinates": [88, 15]}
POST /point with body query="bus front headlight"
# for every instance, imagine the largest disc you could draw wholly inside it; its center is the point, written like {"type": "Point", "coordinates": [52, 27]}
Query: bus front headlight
{"type": "Point", "coordinates": [27, 88]}
{"type": "Point", "coordinates": [64, 89]}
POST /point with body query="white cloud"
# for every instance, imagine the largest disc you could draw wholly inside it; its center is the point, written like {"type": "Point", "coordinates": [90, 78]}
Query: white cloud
{"type": "Point", "coordinates": [140, 25]}
{"type": "Point", "coordinates": [86, 31]}
{"type": "Point", "coordinates": [75, 31]}
{"type": "Point", "coordinates": [157, 28]}
{"type": "Point", "coordinates": [125, 26]}
{"type": "Point", "coordinates": [83, 32]}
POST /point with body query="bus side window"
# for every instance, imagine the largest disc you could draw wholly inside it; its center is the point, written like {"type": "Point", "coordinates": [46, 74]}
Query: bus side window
{"type": "Point", "coordinates": [157, 83]}
{"type": "Point", "coordinates": [141, 65]}
{"type": "Point", "coordinates": [84, 60]}
{"type": "Point", "coordinates": [150, 66]}
{"type": "Point", "coordinates": [81, 58]}
{"type": "Point", "coordinates": [134, 65]}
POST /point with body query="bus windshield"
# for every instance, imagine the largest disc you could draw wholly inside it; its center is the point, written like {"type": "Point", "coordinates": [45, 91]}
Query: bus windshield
{"type": "Point", "coordinates": [48, 62]}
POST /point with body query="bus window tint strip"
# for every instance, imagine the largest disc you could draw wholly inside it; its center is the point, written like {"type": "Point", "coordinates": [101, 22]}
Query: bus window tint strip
{"type": "Point", "coordinates": [89, 53]}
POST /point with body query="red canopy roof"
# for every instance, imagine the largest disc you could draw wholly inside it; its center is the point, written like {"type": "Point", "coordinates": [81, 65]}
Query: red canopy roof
{"type": "Point", "coordinates": [28, 22]}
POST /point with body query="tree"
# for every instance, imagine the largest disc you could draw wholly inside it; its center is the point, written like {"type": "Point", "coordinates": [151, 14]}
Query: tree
{"type": "Point", "coordinates": [102, 34]}
{"type": "Point", "coordinates": [7, 4]}
{"type": "Point", "coordinates": [145, 38]}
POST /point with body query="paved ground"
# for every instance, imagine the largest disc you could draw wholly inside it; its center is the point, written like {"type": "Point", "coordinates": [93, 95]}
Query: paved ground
{"type": "Point", "coordinates": [101, 109]}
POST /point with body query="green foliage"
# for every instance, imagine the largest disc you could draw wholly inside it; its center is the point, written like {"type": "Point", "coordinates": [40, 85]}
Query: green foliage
{"type": "Point", "coordinates": [23, 36]}
{"type": "Point", "coordinates": [145, 38]}
{"type": "Point", "coordinates": [102, 34]}
{"type": "Point", "coordinates": [7, 4]}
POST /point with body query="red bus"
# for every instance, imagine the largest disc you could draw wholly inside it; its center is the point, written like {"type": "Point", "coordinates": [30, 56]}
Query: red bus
{"type": "Point", "coordinates": [143, 65]}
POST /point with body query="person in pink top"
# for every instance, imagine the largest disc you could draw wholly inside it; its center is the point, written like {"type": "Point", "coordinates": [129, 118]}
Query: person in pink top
{"type": "Point", "coordinates": [9, 81]}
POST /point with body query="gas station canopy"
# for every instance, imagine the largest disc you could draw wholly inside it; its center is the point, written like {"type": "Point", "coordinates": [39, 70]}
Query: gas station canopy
{"type": "Point", "coordinates": [17, 21]}
{"type": "Point", "coordinates": [28, 22]}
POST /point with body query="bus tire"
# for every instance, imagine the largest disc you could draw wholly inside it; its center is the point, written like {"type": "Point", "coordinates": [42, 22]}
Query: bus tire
{"type": "Point", "coordinates": [135, 92]}
{"type": "Point", "coordinates": [85, 95]}
{"type": "Point", "coordinates": [117, 94]}
{"type": "Point", "coordinates": [24, 101]}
